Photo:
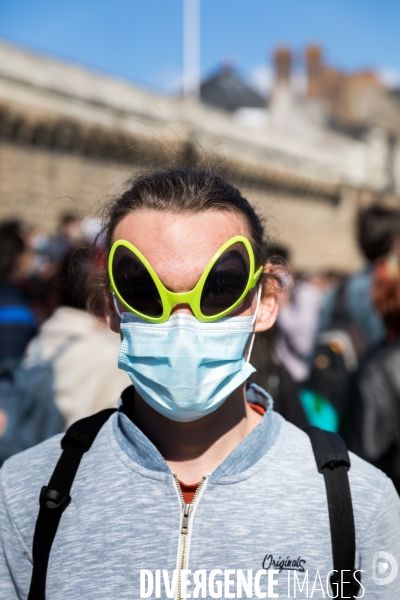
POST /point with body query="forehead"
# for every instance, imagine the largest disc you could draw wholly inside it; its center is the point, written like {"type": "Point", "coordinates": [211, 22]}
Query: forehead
{"type": "Point", "coordinates": [179, 246]}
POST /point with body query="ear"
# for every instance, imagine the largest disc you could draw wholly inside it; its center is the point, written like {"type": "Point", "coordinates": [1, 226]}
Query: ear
{"type": "Point", "coordinates": [111, 316]}
{"type": "Point", "coordinates": [269, 305]}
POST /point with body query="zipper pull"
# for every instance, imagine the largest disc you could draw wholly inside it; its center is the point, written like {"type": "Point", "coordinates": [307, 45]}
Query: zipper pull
{"type": "Point", "coordinates": [187, 510]}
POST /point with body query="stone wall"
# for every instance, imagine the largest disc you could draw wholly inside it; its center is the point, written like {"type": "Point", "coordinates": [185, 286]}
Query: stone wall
{"type": "Point", "coordinates": [37, 184]}
{"type": "Point", "coordinates": [319, 234]}
{"type": "Point", "coordinates": [70, 139]}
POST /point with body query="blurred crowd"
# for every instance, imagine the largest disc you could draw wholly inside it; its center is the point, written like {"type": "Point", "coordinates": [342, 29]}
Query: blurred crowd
{"type": "Point", "coordinates": [57, 362]}
{"type": "Point", "coordinates": [332, 360]}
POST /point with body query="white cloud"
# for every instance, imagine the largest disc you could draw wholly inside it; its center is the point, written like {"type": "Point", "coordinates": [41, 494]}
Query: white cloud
{"type": "Point", "coordinates": [389, 77]}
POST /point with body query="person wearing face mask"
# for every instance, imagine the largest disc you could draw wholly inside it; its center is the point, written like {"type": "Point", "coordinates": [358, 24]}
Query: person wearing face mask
{"type": "Point", "coordinates": [194, 471]}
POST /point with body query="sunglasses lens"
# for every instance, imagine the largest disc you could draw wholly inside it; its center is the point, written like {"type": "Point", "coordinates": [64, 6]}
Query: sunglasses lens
{"type": "Point", "coordinates": [226, 281]}
{"type": "Point", "coordinates": [135, 284]}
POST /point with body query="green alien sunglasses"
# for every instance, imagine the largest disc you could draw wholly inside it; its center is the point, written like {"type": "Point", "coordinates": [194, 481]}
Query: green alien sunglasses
{"type": "Point", "coordinates": [225, 282]}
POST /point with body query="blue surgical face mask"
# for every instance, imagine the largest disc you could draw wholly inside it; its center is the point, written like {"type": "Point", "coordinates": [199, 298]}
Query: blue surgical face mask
{"type": "Point", "coordinates": [184, 368]}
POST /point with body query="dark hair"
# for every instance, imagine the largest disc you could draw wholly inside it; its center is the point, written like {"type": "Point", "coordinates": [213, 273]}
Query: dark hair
{"type": "Point", "coordinates": [12, 245]}
{"type": "Point", "coordinates": [66, 219]}
{"type": "Point", "coordinates": [378, 227]}
{"type": "Point", "coordinates": [72, 280]}
{"type": "Point", "coordinates": [279, 250]}
{"type": "Point", "coordinates": [182, 191]}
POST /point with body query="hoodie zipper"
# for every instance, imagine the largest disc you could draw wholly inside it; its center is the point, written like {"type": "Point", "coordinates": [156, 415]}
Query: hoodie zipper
{"type": "Point", "coordinates": [187, 510]}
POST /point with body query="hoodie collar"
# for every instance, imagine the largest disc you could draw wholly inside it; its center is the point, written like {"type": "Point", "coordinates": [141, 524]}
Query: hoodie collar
{"type": "Point", "coordinates": [140, 449]}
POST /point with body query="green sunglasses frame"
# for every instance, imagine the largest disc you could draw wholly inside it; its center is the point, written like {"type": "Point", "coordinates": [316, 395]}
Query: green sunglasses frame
{"type": "Point", "coordinates": [192, 298]}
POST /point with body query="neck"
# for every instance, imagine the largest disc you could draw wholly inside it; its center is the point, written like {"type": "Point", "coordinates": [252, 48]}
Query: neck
{"type": "Point", "coordinates": [194, 449]}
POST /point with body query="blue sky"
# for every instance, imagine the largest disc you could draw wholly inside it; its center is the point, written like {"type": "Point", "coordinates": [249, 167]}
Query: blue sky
{"type": "Point", "coordinates": [141, 40]}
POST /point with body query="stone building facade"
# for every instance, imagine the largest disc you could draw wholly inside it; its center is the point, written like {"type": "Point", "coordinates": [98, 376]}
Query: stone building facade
{"type": "Point", "coordinates": [71, 138]}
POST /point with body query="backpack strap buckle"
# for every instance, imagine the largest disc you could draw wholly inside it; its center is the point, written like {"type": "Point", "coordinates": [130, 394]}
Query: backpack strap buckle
{"type": "Point", "coordinates": [333, 462]}
{"type": "Point", "coordinates": [53, 500]}
{"type": "Point", "coordinates": [330, 451]}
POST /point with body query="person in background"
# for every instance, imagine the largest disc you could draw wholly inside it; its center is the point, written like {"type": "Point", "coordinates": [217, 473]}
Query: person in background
{"type": "Point", "coordinates": [82, 349]}
{"type": "Point", "coordinates": [28, 415]}
{"type": "Point", "coordinates": [39, 241]}
{"type": "Point", "coordinates": [67, 238]}
{"type": "Point", "coordinates": [349, 324]}
{"type": "Point", "coordinates": [378, 232]}
{"type": "Point", "coordinates": [375, 393]}
{"type": "Point", "coordinates": [295, 331]}
{"type": "Point", "coordinates": [297, 321]}
{"type": "Point", "coordinates": [17, 320]}
{"type": "Point", "coordinates": [298, 324]}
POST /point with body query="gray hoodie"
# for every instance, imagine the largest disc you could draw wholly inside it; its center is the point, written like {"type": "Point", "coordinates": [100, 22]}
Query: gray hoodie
{"type": "Point", "coordinates": [264, 507]}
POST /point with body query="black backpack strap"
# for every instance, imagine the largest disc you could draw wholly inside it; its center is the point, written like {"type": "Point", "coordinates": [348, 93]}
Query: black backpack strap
{"type": "Point", "coordinates": [55, 497]}
{"type": "Point", "coordinates": [333, 462]}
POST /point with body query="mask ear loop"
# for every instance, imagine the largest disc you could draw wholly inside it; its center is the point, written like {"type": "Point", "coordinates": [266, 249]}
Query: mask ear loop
{"type": "Point", "coordinates": [116, 305]}
{"type": "Point", "coordinates": [253, 335]}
